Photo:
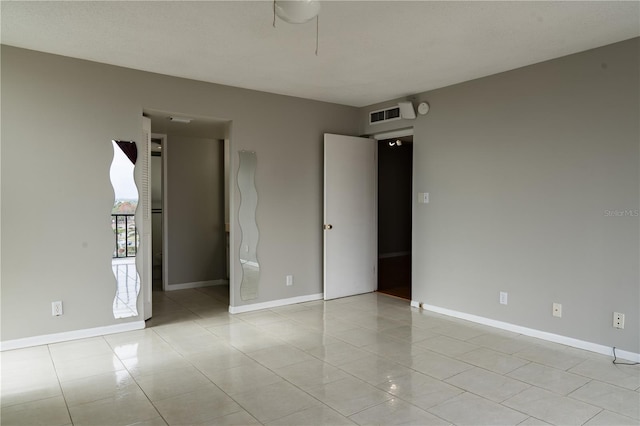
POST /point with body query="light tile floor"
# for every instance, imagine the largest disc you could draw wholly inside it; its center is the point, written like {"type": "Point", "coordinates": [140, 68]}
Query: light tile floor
{"type": "Point", "coordinates": [368, 359]}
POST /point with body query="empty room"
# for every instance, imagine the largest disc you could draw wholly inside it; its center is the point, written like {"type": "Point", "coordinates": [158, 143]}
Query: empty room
{"type": "Point", "coordinates": [320, 212]}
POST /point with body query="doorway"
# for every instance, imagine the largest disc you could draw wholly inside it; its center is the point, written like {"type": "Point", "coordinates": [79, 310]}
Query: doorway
{"type": "Point", "coordinates": [395, 171]}
{"type": "Point", "coordinates": [189, 210]}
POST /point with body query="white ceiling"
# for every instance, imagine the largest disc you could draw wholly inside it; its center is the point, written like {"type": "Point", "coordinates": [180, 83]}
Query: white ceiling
{"type": "Point", "coordinates": [369, 51]}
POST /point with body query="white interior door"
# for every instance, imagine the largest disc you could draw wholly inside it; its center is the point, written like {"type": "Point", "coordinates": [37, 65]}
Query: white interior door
{"type": "Point", "coordinates": [350, 216]}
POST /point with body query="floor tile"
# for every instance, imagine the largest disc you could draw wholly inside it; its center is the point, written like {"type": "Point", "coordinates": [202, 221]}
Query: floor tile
{"type": "Point", "coordinates": [419, 389]}
{"type": "Point", "coordinates": [491, 360]}
{"type": "Point", "coordinates": [201, 406]}
{"type": "Point", "coordinates": [486, 384]}
{"type": "Point", "coordinates": [607, 418]}
{"type": "Point", "coordinates": [76, 349]}
{"type": "Point", "coordinates": [458, 331]}
{"type": "Point", "coordinates": [310, 374]}
{"type": "Point", "coordinates": [374, 369]}
{"type": "Point", "coordinates": [149, 363]}
{"type": "Point", "coordinates": [396, 412]}
{"type": "Point", "coordinates": [274, 401]}
{"type": "Point", "coordinates": [549, 378]}
{"type": "Point", "coordinates": [613, 398]}
{"type": "Point", "coordinates": [21, 393]}
{"type": "Point", "coordinates": [532, 421]}
{"type": "Point", "coordinates": [349, 396]}
{"type": "Point", "coordinates": [310, 340]}
{"type": "Point", "coordinates": [545, 355]}
{"type": "Point", "coordinates": [73, 369]}
{"type": "Point", "coordinates": [260, 317]}
{"type": "Point", "coordinates": [117, 410]}
{"type": "Point", "coordinates": [500, 343]}
{"type": "Point", "coordinates": [208, 363]}
{"type": "Point", "coordinates": [165, 384]}
{"type": "Point", "coordinates": [243, 378]}
{"type": "Point", "coordinates": [552, 408]}
{"type": "Point", "coordinates": [239, 418]}
{"type": "Point", "coordinates": [438, 366]}
{"type": "Point", "coordinates": [359, 337]}
{"type": "Point", "coordinates": [447, 346]}
{"type": "Point", "coordinates": [156, 421]}
{"type": "Point", "coordinates": [36, 353]}
{"type": "Point", "coordinates": [46, 412]}
{"type": "Point", "coordinates": [280, 356]}
{"type": "Point", "coordinates": [409, 333]}
{"type": "Point", "coordinates": [605, 371]}
{"type": "Point", "coordinates": [314, 416]}
{"type": "Point", "coordinates": [338, 353]}
{"type": "Point", "coordinates": [94, 388]}
{"type": "Point", "coordinates": [468, 409]}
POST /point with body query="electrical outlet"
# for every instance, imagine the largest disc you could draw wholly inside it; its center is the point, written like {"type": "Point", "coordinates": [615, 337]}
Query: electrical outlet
{"type": "Point", "coordinates": [557, 310]}
{"type": "Point", "coordinates": [56, 308]}
{"type": "Point", "coordinates": [503, 297]}
{"type": "Point", "coordinates": [618, 320]}
{"type": "Point", "coordinates": [289, 280]}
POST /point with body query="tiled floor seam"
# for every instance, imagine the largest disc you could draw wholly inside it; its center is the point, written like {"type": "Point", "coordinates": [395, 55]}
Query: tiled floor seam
{"type": "Point", "coordinates": [66, 403]}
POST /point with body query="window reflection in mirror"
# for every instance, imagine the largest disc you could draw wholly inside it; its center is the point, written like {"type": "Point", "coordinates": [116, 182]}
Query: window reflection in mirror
{"type": "Point", "coordinates": [123, 225]}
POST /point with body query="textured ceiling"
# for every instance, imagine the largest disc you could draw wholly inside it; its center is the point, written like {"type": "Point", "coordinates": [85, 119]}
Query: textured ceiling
{"type": "Point", "coordinates": [369, 51]}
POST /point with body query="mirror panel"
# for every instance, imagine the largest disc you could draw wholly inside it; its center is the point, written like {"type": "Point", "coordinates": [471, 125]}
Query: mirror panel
{"type": "Point", "coordinates": [123, 224]}
{"type": "Point", "coordinates": [248, 226]}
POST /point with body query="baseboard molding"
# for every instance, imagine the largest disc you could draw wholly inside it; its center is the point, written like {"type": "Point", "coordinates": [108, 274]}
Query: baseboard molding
{"type": "Point", "coordinates": [551, 337]}
{"type": "Point", "coordinates": [397, 254]}
{"type": "Point", "coordinates": [196, 284]}
{"type": "Point", "coordinates": [47, 339]}
{"type": "Point", "coordinates": [275, 303]}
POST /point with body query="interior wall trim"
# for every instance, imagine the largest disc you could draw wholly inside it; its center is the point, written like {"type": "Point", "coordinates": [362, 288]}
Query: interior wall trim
{"type": "Point", "coordinates": [196, 284]}
{"type": "Point", "coordinates": [551, 337]}
{"type": "Point", "coordinates": [47, 339]}
{"type": "Point", "coordinates": [275, 303]}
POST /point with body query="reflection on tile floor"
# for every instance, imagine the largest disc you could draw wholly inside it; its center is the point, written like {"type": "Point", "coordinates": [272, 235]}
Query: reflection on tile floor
{"type": "Point", "coordinates": [128, 287]}
{"type": "Point", "coordinates": [368, 359]}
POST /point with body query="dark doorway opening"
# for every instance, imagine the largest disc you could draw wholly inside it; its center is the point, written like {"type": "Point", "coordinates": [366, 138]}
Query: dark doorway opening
{"type": "Point", "coordinates": [395, 171]}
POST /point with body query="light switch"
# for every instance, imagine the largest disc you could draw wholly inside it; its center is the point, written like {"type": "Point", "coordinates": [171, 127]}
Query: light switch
{"type": "Point", "coordinates": [423, 197]}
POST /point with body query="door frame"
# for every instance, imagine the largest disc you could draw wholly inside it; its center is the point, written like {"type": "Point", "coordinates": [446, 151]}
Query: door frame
{"type": "Point", "coordinates": [390, 134]}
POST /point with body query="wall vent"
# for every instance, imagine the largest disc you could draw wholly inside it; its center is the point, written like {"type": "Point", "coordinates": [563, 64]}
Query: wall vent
{"type": "Point", "coordinates": [384, 115]}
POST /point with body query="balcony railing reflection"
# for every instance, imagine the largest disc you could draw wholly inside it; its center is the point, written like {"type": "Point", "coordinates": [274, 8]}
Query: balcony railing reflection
{"type": "Point", "coordinates": [126, 235]}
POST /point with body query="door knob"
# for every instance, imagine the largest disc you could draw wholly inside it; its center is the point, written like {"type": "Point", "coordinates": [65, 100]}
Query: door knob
{"type": "Point", "coordinates": [326, 227]}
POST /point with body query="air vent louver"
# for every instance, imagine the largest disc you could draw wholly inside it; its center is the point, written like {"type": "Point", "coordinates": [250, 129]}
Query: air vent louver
{"type": "Point", "coordinates": [383, 115]}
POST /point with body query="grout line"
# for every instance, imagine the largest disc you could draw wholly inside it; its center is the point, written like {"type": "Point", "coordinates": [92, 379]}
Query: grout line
{"type": "Point", "coordinates": [55, 369]}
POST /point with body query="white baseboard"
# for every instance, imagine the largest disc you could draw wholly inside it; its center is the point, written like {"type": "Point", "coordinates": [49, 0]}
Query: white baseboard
{"type": "Point", "coordinates": [275, 303]}
{"type": "Point", "coordinates": [396, 254]}
{"type": "Point", "coordinates": [65, 336]}
{"type": "Point", "coordinates": [196, 284]}
{"type": "Point", "coordinates": [556, 338]}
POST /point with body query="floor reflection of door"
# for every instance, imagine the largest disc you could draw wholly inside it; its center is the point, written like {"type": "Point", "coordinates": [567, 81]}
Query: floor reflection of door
{"type": "Point", "coordinates": [128, 280]}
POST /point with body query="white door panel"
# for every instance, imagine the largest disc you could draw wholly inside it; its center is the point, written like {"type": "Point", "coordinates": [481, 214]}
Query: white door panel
{"type": "Point", "coordinates": [350, 209]}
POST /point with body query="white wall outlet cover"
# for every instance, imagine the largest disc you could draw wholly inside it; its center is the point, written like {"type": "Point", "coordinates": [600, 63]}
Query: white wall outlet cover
{"type": "Point", "coordinates": [503, 297]}
{"type": "Point", "coordinates": [618, 320]}
{"type": "Point", "coordinates": [56, 308]}
{"type": "Point", "coordinates": [557, 310]}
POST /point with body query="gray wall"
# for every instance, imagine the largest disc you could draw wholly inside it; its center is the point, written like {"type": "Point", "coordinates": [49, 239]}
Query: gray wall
{"type": "Point", "coordinates": [59, 116]}
{"type": "Point", "coordinates": [195, 210]}
{"type": "Point", "coordinates": [522, 168]}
